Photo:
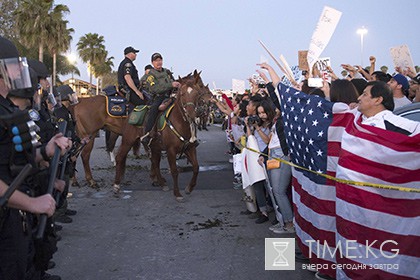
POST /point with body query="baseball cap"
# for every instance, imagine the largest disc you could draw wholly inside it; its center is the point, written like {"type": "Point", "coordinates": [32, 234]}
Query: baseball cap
{"type": "Point", "coordinates": [156, 56]}
{"type": "Point", "coordinates": [130, 49]}
{"type": "Point", "coordinates": [401, 80]}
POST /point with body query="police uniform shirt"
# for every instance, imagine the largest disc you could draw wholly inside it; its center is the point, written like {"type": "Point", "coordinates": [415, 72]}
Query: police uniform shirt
{"type": "Point", "coordinates": [46, 124]}
{"type": "Point", "coordinates": [127, 67]}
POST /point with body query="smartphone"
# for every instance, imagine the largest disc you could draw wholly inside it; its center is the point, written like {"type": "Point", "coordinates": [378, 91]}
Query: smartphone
{"type": "Point", "coordinates": [315, 82]}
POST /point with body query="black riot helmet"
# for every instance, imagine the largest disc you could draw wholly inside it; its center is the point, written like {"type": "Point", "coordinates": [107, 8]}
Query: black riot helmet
{"type": "Point", "coordinates": [14, 70]}
{"type": "Point", "coordinates": [40, 68]}
{"type": "Point", "coordinates": [67, 94]}
{"type": "Point", "coordinates": [27, 92]}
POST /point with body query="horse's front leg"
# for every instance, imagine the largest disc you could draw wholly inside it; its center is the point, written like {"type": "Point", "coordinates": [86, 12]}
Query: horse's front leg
{"type": "Point", "coordinates": [85, 155]}
{"type": "Point", "coordinates": [174, 172]}
{"type": "Point", "coordinates": [155, 175]}
{"type": "Point", "coordinates": [193, 132]}
{"type": "Point", "coordinates": [128, 140]}
{"type": "Point", "coordinates": [191, 154]}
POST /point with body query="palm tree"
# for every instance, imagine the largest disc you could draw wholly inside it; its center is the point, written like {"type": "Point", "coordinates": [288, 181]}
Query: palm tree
{"type": "Point", "coordinates": [33, 22]}
{"type": "Point", "coordinates": [59, 39]}
{"type": "Point", "coordinates": [91, 50]}
{"type": "Point", "coordinates": [101, 68]}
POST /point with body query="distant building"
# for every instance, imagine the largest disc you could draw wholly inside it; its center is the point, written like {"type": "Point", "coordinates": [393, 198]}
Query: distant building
{"type": "Point", "coordinates": [81, 87]}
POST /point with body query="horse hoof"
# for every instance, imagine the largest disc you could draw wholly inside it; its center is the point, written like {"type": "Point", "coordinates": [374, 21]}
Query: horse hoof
{"type": "Point", "coordinates": [187, 190]}
{"type": "Point", "coordinates": [165, 188]}
{"type": "Point", "coordinates": [94, 186]}
{"type": "Point", "coordinates": [155, 184]}
{"type": "Point", "coordinates": [75, 184]}
{"type": "Point", "coordinates": [116, 190]}
{"type": "Point", "coordinates": [179, 199]}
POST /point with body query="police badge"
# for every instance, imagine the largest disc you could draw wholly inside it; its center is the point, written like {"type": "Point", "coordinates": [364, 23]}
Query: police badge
{"type": "Point", "coordinates": [34, 115]}
{"type": "Point", "coordinates": [127, 67]}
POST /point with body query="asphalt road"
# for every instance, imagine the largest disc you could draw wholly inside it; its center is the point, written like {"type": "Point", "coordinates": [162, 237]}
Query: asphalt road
{"type": "Point", "coordinates": [147, 234]}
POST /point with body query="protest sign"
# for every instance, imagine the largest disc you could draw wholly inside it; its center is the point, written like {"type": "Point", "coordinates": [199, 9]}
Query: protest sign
{"type": "Point", "coordinates": [303, 60]}
{"type": "Point", "coordinates": [323, 33]}
{"type": "Point", "coordinates": [401, 57]}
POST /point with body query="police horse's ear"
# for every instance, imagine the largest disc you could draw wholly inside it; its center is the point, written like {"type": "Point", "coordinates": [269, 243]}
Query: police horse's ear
{"type": "Point", "coordinates": [179, 79]}
{"type": "Point", "coordinates": [196, 73]}
{"type": "Point", "coordinates": [197, 78]}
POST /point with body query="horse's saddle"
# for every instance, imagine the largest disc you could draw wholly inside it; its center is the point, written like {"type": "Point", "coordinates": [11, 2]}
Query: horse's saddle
{"type": "Point", "coordinates": [138, 115]}
{"type": "Point", "coordinates": [116, 106]}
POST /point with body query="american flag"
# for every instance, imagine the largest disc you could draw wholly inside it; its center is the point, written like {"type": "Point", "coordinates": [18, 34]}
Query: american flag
{"type": "Point", "coordinates": [327, 213]}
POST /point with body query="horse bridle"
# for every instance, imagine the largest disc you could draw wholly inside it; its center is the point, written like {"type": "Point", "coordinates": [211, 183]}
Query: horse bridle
{"type": "Point", "coordinates": [184, 106]}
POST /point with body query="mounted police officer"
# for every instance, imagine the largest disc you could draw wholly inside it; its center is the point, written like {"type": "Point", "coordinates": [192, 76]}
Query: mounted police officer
{"type": "Point", "coordinates": [159, 82]}
{"type": "Point", "coordinates": [128, 78]}
{"type": "Point", "coordinates": [15, 219]}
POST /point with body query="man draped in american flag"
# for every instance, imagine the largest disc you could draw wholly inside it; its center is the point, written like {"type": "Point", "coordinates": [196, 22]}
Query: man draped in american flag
{"type": "Point", "coordinates": [355, 232]}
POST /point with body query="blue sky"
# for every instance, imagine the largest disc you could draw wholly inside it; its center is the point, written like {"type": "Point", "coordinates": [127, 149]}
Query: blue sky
{"type": "Point", "coordinates": [221, 37]}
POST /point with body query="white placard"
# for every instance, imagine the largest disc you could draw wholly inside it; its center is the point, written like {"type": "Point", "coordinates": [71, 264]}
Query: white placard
{"type": "Point", "coordinates": [297, 75]}
{"type": "Point", "coordinates": [251, 169]}
{"type": "Point", "coordinates": [401, 57]}
{"type": "Point", "coordinates": [323, 33]}
{"type": "Point", "coordinates": [238, 86]}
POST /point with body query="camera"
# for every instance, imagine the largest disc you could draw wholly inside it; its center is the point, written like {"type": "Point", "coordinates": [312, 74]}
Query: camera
{"type": "Point", "coordinates": [253, 119]}
{"type": "Point", "coordinates": [262, 85]}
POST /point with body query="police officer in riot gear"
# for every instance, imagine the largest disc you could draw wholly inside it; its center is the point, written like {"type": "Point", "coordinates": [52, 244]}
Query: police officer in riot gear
{"type": "Point", "coordinates": [159, 82]}
{"type": "Point", "coordinates": [128, 78]}
{"type": "Point", "coordinates": [66, 97]}
{"type": "Point", "coordinates": [44, 119]}
{"type": "Point", "coordinates": [15, 221]}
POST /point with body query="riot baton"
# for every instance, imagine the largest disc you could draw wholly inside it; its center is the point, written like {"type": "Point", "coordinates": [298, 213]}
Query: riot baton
{"type": "Point", "coordinates": [52, 175]}
{"type": "Point", "coordinates": [62, 170]}
{"type": "Point", "coordinates": [15, 184]}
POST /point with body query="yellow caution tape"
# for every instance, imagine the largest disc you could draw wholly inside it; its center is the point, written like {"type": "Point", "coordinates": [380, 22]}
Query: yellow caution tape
{"type": "Point", "coordinates": [361, 184]}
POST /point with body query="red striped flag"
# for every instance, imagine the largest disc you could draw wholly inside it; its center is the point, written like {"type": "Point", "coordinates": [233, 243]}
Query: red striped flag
{"type": "Point", "coordinates": [332, 218]}
{"type": "Point", "coordinates": [383, 225]}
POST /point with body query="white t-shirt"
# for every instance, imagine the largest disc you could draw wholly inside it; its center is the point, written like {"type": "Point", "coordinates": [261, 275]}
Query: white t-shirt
{"type": "Point", "coordinates": [399, 102]}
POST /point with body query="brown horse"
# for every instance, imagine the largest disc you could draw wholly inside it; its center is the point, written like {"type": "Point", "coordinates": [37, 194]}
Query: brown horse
{"type": "Point", "coordinates": [91, 115]}
{"type": "Point", "coordinates": [181, 117]}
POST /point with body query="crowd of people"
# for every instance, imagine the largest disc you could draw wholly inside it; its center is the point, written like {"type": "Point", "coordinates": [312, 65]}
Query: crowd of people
{"type": "Point", "coordinates": [373, 94]}
{"type": "Point", "coordinates": [31, 111]}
